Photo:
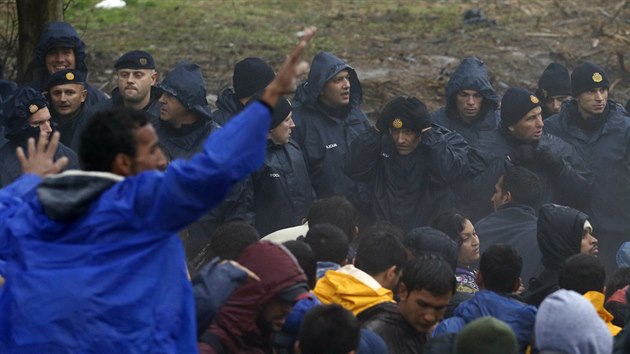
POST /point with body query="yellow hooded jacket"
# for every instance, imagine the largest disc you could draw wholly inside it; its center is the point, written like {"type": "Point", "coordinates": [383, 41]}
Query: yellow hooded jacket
{"type": "Point", "coordinates": [597, 299]}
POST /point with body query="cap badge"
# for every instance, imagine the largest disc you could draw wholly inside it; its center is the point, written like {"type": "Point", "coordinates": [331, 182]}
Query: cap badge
{"type": "Point", "coordinates": [534, 99]}
{"type": "Point", "coordinates": [397, 123]}
{"type": "Point", "coordinates": [143, 61]}
{"type": "Point", "coordinates": [33, 108]}
{"type": "Point", "coordinates": [69, 76]}
{"type": "Point", "coordinates": [597, 77]}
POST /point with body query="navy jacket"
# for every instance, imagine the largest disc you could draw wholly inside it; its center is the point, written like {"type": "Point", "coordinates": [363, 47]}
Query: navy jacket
{"type": "Point", "coordinates": [227, 106]}
{"type": "Point", "coordinates": [408, 190]}
{"type": "Point", "coordinates": [282, 189]}
{"type": "Point", "coordinates": [325, 136]}
{"type": "Point", "coordinates": [70, 130]}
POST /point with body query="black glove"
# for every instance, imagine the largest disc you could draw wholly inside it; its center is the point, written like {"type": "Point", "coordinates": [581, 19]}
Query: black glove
{"type": "Point", "coordinates": [523, 155]}
{"type": "Point", "coordinates": [552, 163]}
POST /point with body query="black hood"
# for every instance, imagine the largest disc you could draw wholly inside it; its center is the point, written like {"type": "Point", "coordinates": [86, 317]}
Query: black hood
{"type": "Point", "coordinates": [560, 231]}
{"type": "Point", "coordinates": [68, 195]}
{"type": "Point", "coordinates": [227, 102]}
{"type": "Point", "coordinates": [471, 74]}
{"type": "Point", "coordinates": [55, 34]}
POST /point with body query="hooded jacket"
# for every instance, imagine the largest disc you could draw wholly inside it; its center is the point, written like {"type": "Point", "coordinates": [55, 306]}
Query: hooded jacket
{"type": "Point", "coordinates": [236, 326]}
{"type": "Point", "coordinates": [62, 32]}
{"type": "Point", "coordinates": [597, 299]}
{"type": "Point", "coordinates": [227, 106]}
{"type": "Point", "coordinates": [559, 236]}
{"type": "Point", "coordinates": [94, 263]}
{"type": "Point", "coordinates": [351, 288]}
{"type": "Point", "coordinates": [407, 189]}
{"type": "Point", "coordinates": [519, 316]}
{"type": "Point", "coordinates": [325, 137]}
{"type": "Point", "coordinates": [472, 74]}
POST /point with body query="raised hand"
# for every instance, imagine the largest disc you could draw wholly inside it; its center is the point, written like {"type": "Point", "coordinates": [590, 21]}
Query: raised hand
{"type": "Point", "coordinates": [40, 159]}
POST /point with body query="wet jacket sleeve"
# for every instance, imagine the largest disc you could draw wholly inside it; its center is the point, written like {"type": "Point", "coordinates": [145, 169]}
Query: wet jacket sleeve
{"type": "Point", "coordinates": [448, 154]}
{"type": "Point", "coordinates": [171, 200]}
{"type": "Point", "coordinates": [362, 159]}
{"type": "Point", "coordinates": [11, 196]}
{"type": "Point", "coordinates": [575, 180]}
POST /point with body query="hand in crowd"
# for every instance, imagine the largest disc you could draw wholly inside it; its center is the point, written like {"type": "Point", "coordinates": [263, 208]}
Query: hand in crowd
{"type": "Point", "coordinates": [40, 158]}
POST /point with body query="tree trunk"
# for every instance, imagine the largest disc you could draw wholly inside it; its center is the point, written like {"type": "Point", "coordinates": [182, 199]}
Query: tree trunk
{"type": "Point", "coordinates": [33, 17]}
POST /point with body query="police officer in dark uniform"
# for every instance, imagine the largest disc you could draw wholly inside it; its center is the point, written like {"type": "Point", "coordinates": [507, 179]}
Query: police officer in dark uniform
{"type": "Point", "coordinates": [554, 88]}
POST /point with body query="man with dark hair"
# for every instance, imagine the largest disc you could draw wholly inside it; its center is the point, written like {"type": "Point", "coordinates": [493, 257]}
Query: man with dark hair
{"type": "Point", "coordinates": [600, 131]}
{"type": "Point", "coordinates": [330, 247]}
{"type": "Point", "coordinates": [328, 329]}
{"type": "Point", "coordinates": [554, 88]}
{"type": "Point", "coordinates": [407, 162]}
{"type": "Point", "coordinates": [26, 115]}
{"type": "Point", "coordinates": [115, 237]}
{"type": "Point", "coordinates": [516, 199]}
{"type": "Point", "coordinates": [425, 289]}
{"type": "Point", "coordinates": [372, 278]}
{"type": "Point", "coordinates": [585, 274]}
{"type": "Point", "coordinates": [251, 76]}
{"type": "Point", "coordinates": [498, 277]}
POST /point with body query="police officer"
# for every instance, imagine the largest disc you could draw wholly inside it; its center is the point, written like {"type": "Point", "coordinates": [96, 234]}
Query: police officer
{"type": "Point", "coordinates": [67, 95]}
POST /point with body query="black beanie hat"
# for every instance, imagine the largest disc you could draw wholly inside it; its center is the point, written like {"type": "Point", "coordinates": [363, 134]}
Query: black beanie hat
{"type": "Point", "coordinates": [67, 76]}
{"type": "Point", "coordinates": [135, 59]}
{"type": "Point", "coordinates": [588, 76]}
{"type": "Point", "coordinates": [516, 102]}
{"type": "Point", "coordinates": [404, 112]}
{"type": "Point", "coordinates": [280, 112]}
{"type": "Point", "coordinates": [250, 76]}
{"type": "Point", "coordinates": [554, 81]}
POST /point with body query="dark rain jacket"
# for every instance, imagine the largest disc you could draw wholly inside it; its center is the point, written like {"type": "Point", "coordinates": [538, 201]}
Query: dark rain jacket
{"type": "Point", "coordinates": [408, 190]}
{"type": "Point", "coordinates": [236, 326]}
{"type": "Point", "coordinates": [325, 136]}
{"type": "Point", "coordinates": [57, 32]}
{"type": "Point", "coordinates": [471, 74]}
{"type": "Point", "coordinates": [398, 334]}
{"type": "Point", "coordinates": [606, 151]}
{"type": "Point", "coordinates": [70, 129]}
{"type": "Point", "coordinates": [282, 189]}
{"type": "Point", "coordinates": [227, 106]}
{"type": "Point", "coordinates": [515, 225]}
{"type": "Point", "coordinates": [560, 231]}
{"type": "Point", "coordinates": [572, 186]}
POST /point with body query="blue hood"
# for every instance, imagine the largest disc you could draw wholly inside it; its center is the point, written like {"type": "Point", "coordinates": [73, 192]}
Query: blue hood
{"type": "Point", "coordinates": [472, 74]}
{"type": "Point", "coordinates": [324, 67]}
{"type": "Point", "coordinates": [59, 34]}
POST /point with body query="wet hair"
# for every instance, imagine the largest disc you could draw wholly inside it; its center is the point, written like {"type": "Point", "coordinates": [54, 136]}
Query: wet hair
{"type": "Point", "coordinates": [336, 211]}
{"type": "Point", "coordinates": [500, 267]}
{"type": "Point", "coordinates": [328, 242]}
{"type": "Point", "coordinates": [582, 273]}
{"type": "Point", "coordinates": [619, 279]}
{"type": "Point", "coordinates": [451, 223]}
{"type": "Point", "coordinates": [329, 329]}
{"type": "Point", "coordinates": [378, 251]}
{"type": "Point", "coordinates": [431, 273]}
{"type": "Point", "coordinates": [524, 186]}
{"type": "Point", "coordinates": [109, 133]}
{"type": "Point", "coordinates": [306, 259]}
{"type": "Point", "coordinates": [427, 240]}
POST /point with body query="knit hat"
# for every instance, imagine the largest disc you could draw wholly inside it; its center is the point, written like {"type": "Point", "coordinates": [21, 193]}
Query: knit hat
{"type": "Point", "coordinates": [588, 76]}
{"type": "Point", "coordinates": [404, 112]}
{"type": "Point", "coordinates": [67, 76]}
{"type": "Point", "coordinates": [486, 335]}
{"type": "Point", "coordinates": [135, 59]}
{"type": "Point", "coordinates": [250, 76]}
{"type": "Point", "coordinates": [280, 112]}
{"type": "Point", "coordinates": [554, 81]}
{"type": "Point", "coordinates": [567, 322]}
{"type": "Point", "coordinates": [515, 104]}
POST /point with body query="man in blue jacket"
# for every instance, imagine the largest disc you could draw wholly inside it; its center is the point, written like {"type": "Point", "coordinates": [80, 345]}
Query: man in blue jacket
{"type": "Point", "coordinates": [93, 260]}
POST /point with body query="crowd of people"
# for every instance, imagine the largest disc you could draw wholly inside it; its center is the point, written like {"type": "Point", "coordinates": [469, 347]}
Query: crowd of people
{"type": "Point", "coordinates": [142, 221]}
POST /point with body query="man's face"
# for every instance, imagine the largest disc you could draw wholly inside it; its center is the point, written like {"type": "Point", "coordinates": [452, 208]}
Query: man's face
{"type": "Point", "coordinates": [274, 313]}
{"type": "Point", "coordinates": [135, 84]}
{"type": "Point", "coordinates": [171, 108]}
{"type": "Point", "coordinates": [468, 104]}
{"type": "Point", "coordinates": [421, 309]}
{"type": "Point", "coordinates": [149, 156]}
{"type": "Point", "coordinates": [406, 140]}
{"type": "Point", "coordinates": [553, 104]}
{"type": "Point", "coordinates": [530, 127]}
{"type": "Point", "coordinates": [336, 92]}
{"type": "Point", "coordinates": [41, 120]}
{"type": "Point", "coordinates": [499, 197]}
{"type": "Point", "coordinates": [58, 59]}
{"type": "Point", "coordinates": [281, 134]}
{"type": "Point", "coordinates": [593, 102]}
{"type": "Point", "coordinates": [67, 99]}
{"type": "Point", "coordinates": [589, 243]}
